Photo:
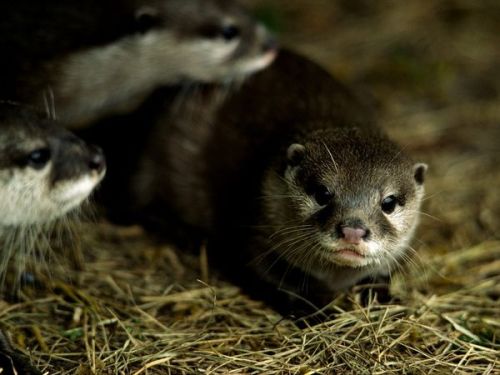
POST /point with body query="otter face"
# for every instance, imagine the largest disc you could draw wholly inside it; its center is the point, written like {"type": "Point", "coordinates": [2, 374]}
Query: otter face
{"type": "Point", "coordinates": [205, 40]}
{"type": "Point", "coordinates": [351, 200]}
{"type": "Point", "coordinates": [45, 171]}
{"type": "Point", "coordinates": [167, 42]}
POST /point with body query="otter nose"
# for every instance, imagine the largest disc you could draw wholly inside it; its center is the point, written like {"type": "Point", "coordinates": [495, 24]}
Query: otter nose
{"type": "Point", "coordinates": [353, 231]}
{"type": "Point", "coordinates": [96, 161]}
{"type": "Point", "coordinates": [269, 45]}
{"type": "Point", "coordinates": [353, 235]}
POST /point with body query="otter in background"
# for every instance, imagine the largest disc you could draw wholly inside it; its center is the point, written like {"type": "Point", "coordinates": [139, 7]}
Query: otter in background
{"type": "Point", "coordinates": [45, 172]}
{"type": "Point", "coordinates": [93, 58]}
{"type": "Point", "coordinates": [298, 191]}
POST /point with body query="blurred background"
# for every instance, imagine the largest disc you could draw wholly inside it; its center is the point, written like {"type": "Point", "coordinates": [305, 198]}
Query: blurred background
{"type": "Point", "coordinates": [432, 69]}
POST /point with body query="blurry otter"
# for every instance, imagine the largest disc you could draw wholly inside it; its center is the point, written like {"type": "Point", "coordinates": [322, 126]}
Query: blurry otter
{"type": "Point", "coordinates": [298, 191]}
{"type": "Point", "coordinates": [91, 58]}
{"type": "Point", "coordinates": [45, 171]}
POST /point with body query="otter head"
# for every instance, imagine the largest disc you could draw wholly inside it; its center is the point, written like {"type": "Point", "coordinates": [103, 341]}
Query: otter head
{"type": "Point", "coordinates": [212, 40]}
{"type": "Point", "coordinates": [344, 198]}
{"type": "Point", "coordinates": [45, 171]}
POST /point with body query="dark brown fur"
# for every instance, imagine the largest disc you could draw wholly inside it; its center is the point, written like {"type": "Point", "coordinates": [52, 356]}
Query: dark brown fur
{"type": "Point", "coordinates": [218, 160]}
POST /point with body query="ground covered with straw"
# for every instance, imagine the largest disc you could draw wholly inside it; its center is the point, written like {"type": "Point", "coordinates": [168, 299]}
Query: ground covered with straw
{"type": "Point", "coordinates": [138, 306]}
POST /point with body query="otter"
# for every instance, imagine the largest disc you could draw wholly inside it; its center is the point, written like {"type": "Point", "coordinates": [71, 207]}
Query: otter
{"type": "Point", "coordinates": [92, 58]}
{"type": "Point", "coordinates": [297, 189]}
{"type": "Point", "coordinates": [45, 171]}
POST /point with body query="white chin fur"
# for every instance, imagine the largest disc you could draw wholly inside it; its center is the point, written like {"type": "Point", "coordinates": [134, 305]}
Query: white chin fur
{"type": "Point", "coordinates": [258, 63]}
{"type": "Point", "coordinates": [368, 254]}
{"type": "Point", "coordinates": [76, 191]}
{"type": "Point", "coordinates": [71, 194]}
{"type": "Point", "coordinates": [349, 261]}
{"type": "Point", "coordinates": [27, 198]}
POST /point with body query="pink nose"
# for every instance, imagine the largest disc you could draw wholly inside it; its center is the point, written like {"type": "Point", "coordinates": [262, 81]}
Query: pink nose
{"type": "Point", "coordinates": [353, 235]}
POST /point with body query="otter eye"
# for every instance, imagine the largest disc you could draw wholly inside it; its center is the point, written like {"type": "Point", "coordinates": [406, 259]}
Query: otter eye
{"type": "Point", "coordinates": [322, 195]}
{"type": "Point", "coordinates": [389, 204]}
{"type": "Point", "coordinates": [39, 158]}
{"type": "Point", "coordinates": [230, 32]}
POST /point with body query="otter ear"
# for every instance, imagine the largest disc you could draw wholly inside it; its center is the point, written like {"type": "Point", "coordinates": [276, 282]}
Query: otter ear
{"type": "Point", "coordinates": [295, 154]}
{"type": "Point", "coordinates": [419, 170]}
{"type": "Point", "coordinates": [146, 18]}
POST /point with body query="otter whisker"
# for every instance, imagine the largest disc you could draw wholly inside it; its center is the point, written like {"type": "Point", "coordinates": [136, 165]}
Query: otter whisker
{"type": "Point", "coordinates": [278, 196]}
{"type": "Point", "coordinates": [290, 241]}
{"type": "Point", "coordinates": [427, 197]}
{"type": "Point", "coordinates": [284, 224]}
{"type": "Point", "coordinates": [393, 261]}
{"type": "Point", "coordinates": [309, 258]}
{"type": "Point", "coordinates": [283, 253]}
{"type": "Point", "coordinates": [299, 253]}
{"type": "Point", "coordinates": [290, 230]}
{"type": "Point", "coordinates": [331, 157]}
{"type": "Point", "coordinates": [49, 103]}
{"type": "Point", "coordinates": [420, 212]}
{"type": "Point", "coordinates": [284, 248]}
{"type": "Point", "coordinates": [414, 259]}
{"type": "Point", "coordinates": [403, 259]}
{"type": "Point", "coordinates": [296, 255]}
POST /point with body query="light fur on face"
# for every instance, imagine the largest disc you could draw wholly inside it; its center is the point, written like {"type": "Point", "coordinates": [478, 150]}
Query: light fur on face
{"type": "Point", "coordinates": [27, 196]}
{"type": "Point", "coordinates": [304, 242]}
{"type": "Point", "coordinates": [34, 215]}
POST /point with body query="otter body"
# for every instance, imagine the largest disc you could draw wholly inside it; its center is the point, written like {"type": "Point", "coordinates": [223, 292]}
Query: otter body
{"type": "Point", "coordinates": [289, 178]}
{"type": "Point", "coordinates": [45, 171]}
{"type": "Point", "coordinates": [93, 58]}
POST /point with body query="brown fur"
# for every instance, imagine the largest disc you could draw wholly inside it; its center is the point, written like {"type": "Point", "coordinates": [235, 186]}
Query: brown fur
{"type": "Point", "coordinates": [243, 167]}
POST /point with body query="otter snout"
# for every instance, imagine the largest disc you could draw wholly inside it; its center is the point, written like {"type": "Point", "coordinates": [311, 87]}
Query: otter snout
{"type": "Point", "coordinates": [353, 235]}
{"type": "Point", "coordinates": [270, 45]}
{"type": "Point", "coordinates": [352, 231]}
{"type": "Point", "coordinates": [97, 161]}
{"type": "Point", "coordinates": [74, 159]}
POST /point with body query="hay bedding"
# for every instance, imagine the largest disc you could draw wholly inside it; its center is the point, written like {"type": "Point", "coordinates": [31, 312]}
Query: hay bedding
{"type": "Point", "coordinates": [140, 307]}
